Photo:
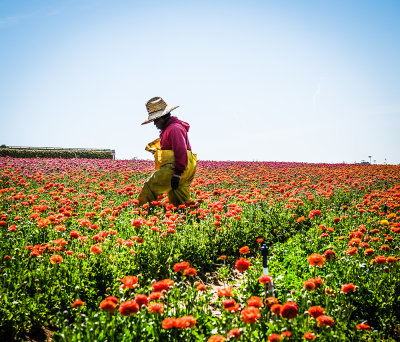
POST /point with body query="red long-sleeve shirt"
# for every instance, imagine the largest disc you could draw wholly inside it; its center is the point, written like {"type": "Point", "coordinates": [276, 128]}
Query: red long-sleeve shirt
{"type": "Point", "coordinates": [174, 137]}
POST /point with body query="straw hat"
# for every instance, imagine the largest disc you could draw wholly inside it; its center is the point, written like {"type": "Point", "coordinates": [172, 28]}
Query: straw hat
{"type": "Point", "coordinates": [156, 107]}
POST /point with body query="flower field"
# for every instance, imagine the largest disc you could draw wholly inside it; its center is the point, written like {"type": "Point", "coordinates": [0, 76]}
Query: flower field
{"type": "Point", "coordinates": [79, 261]}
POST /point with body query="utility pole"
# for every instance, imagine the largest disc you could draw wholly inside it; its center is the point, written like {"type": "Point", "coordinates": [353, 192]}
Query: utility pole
{"type": "Point", "coordinates": [369, 159]}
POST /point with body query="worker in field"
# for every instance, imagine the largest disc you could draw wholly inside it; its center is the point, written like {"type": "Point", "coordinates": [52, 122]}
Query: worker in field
{"type": "Point", "coordinates": [175, 163]}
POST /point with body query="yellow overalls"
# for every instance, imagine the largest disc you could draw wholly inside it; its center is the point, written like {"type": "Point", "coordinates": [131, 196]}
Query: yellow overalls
{"type": "Point", "coordinates": [159, 181]}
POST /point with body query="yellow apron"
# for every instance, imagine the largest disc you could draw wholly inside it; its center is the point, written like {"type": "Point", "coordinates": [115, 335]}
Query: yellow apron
{"type": "Point", "coordinates": [159, 181]}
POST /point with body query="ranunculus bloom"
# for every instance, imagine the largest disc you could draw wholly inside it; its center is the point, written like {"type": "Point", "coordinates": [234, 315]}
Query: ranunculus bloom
{"type": "Point", "coordinates": [181, 266]}
{"type": "Point", "coordinates": [108, 306]}
{"type": "Point", "coordinates": [128, 308]}
{"type": "Point", "coordinates": [255, 301]}
{"type": "Point", "coordinates": [235, 333]}
{"type": "Point", "coordinates": [141, 300]}
{"type": "Point", "coordinates": [265, 279]}
{"type": "Point", "coordinates": [129, 282]}
{"type": "Point", "coordinates": [168, 323]}
{"type": "Point", "coordinates": [76, 303]}
{"type": "Point", "coordinates": [324, 321]}
{"type": "Point", "coordinates": [185, 322]}
{"type": "Point", "coordinates": [162, 285]}
{"type": "Point", "coordinates": [347, 288]}
{"type": "Point", "coordinates": [309, 336]}
{"type": "Point", "coordinates": [362, 326]}
{"type": "Point", "coordinates": [274, 338]}
{"type": "Point", "coordinates": [391, 260]}
{"type": "Point", "coordinates": [155, 308]}
{"type": "Point", "coordinates": [190, 272]}
{"type": "Point", "coordinates": [155, 296]}
{"type": "Point", "coordinates": [242, 264]}
{"type": "Point", "coordinates": [380, 259]}
{"type": "Point", "coordinates": [316, 259]}
{"type": "Point", "coordinates": [244, 250]}
{"type": "Point", "coordinates": [289, 310]}
{"type": "Point", "coordinates": [269, 301]}
{"type": "Point", "coordinates": [230, 305]}
{"type": "Point", "coordinates": [250, 315]}
{"type": "Point", "coordinates": [369, 252]}
{"type": "Point", "coordinates": [276, 309]}
{"type": "Point", "coordinates": [95, 249]}
{"type": "Point", "coordinates": [216, 338]}
{"type": "Point", "coordinates": [225, 292]}
{"type": "Point", "coordinates": [330, 254]}
{"type": "Point", "coordinates": [309, 285]}
{"type": "Point", "coordinates": [352, 251]}
{"type": "Point", "coordinates": [315, 311]}
{"type": "Point", "coordinates": [74, 234]}
{"type": "Point", "coordinates": [55, 259]}
{"type": "Point", "coordinates": [201, 287]}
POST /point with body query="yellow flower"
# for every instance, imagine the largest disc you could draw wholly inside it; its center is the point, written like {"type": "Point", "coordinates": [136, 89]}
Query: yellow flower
{"type": "Point", "coordinates": [384, 222]}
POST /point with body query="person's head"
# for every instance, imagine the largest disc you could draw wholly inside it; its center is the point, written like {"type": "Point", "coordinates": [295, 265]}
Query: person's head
{"type": "Point", "coordinates": [157, 108]}
{"type": "Point", "coordinates": [162, 121]}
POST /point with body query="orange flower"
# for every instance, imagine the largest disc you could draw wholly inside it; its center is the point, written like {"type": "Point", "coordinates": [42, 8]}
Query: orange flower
{"type": "Point", "coordinates": [301, 219]}
{"type": "Point", "coordinates": [244, 250]}
{"type": "Point", "coordinates": [315, 311]}
{"type": "Point", "coordinates": [255, 301]}
{"type": "Point", "coordinates": [156, 308]}
{"type": "Point", "coordinates": [369, 252]}
{"type": "Point", "coordinates": [222, 257]}
{"type": "Point", "coordinates": [155, 296]}
{"type": "Point", "coordinates": [129, 282]}
{"type": "Point", "coordinates": [269, 301]}
{"type": "Point", "coordinates": [324, 321]}
{"type": "Point", "coordinates": [380, 259]}
{"type": "Point", "coordinates": [141, 300]}
{"type": "Point", "coordinates": [276, 309]}
{"type": "Point", "coordinates": [216, 338]}
{"type": "Point", "coordinates": [309, 336]}
{"type": "Point", "coordinates": [309, 285]}
{"type": "Point", "coordinates": [185, 322]}
{"type": "Point", "coordinates": [190, 272]}
{"type": "Point", "coordinates": [250, 315]}
{"type": "Point", "coordinates": [316, 259]}
{"type": "Point", "coordinates": [128, 308]}
{"type": "Point", "coordinates": [347, 288]}
{"type": "Point", "coordinates": [168, 323]}
{"type": "Point", "coordinates": [352, 251]}
{"type": "Point", "coordinates": [181, 266]}
{"type": "Point", "coordinates": [201, 287]}
{"type": "Point", "coordinates": [162, 285]}
{"type": "Point", "coordinates": [235, 333]}
{"type": "Point", "coordinates": [362, 326]}
{"type": "Point", "coordinates": [76, 303]}
{"type": "Point", "coordinates": [225, 292]}
{"type": "Point", "coordinates": [95, 249]}
{"type": "Point", "coordinates": [54, 259]}
{"type": "Point", "coordinates": [108, 306]}
{"type": "Point", "coordinates": [391, 260]}
{"type": "Point", "coordinates": [274, 338]}
{"type": "Point", "coordinates": [230, 305]}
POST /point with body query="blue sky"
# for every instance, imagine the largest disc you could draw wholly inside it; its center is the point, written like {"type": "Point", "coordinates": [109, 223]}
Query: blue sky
{"type": "Point", "coordinates": [305, 81]}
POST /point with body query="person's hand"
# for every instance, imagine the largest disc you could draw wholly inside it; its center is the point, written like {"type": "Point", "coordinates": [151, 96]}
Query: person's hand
{"type": "Point", "coordinates": [175, 182]}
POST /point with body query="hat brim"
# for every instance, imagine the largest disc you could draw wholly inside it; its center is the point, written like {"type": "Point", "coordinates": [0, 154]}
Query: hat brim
{"type": "Point", "coordinates": [159, 114]}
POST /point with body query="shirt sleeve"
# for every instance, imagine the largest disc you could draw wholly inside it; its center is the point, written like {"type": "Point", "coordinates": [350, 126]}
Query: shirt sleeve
{"type": "Point", "coordinates": [178, 145]}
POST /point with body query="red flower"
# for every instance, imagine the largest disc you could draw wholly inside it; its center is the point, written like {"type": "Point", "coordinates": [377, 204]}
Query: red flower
{"type": "Point", "coordinates": [168, 323]}
{"type": "Point", "coordinates": [276, 309]}
{"type": "Point", "coordinates": [255, 301]}
{"type": "Point", "coordinates": [55, 259]}
{"type": "Point", "coordinates": [181, 266]}
{"type": "Point", "coordinates": [352, 251]}
{"type": "Point", "coordinates": [129, 282]}
{"type": "Point", "coordinates": [324, 321]}
{"type": "Point", "coordinates": [362, 326]}
{"type": "Point", "coordinates": [216, 338]}
{"type": "Point", "coordinates": [190, 272]}
{"type": "Point", "coordinates": [265, 279]}
{"type": "Point", "coordinates": [315, 311]}
{"type": "Point", "coordinates": [309, 285]}
{"type": "Point", "coordinates": [141, 300]}
{"type": "Point", "coordinates": [230, 305]}
{"type": "Point", "coordinates": [269, 301]}
{"type": "Point", "coordinates": [329, 254]}
{"type": "Point", "coordinates": [74, 234]}
{"type": "Point", "coordinates": [242, 264]}
{"type": "Point", "coordinates": [225, 292]}
{"type": "Point", "coordinates": [108, 306]}
{"type": "Point", "coordinates": [201, 287]}
{"type": "Point", "coordinates": [274, 338]}
{"type": "Point", "coordinates": [76, 303]}
{"type": "Point", "coordinates": [347, 288]}
{"type": "Point", "coordinates": [95, 249]}
{"type": "Point", "coordinates": [156, 308]}
{"type": "Point", "coordinates": [250, 315]}
{"type": "Point", "coordinates": [128, 308]}
{"type": "Point", "coordinates": [289, 310]}
{"type": "Point", "coordinates": [163, 285]}
{"type": "Point", "coordinates": [185, 322]}
{"type": "Point", "coordinates": [380, 259]}
{"type": "Point", "coordinates": [235, 333]}
{"type": "Point", "coordinates": [309, 336]}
